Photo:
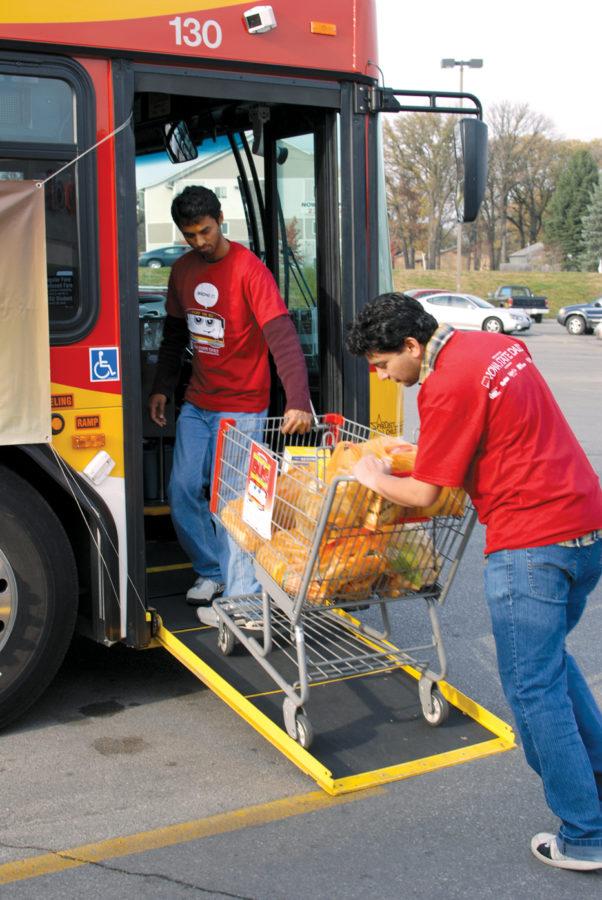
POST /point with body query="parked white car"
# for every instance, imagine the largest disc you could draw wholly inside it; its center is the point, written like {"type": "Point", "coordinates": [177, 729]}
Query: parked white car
{"type": "Point", "coordinates": [469, 312]}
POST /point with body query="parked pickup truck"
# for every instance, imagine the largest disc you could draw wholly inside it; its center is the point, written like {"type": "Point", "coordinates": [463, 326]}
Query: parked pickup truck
{"type": "Point", "coordinates": [518, 296]}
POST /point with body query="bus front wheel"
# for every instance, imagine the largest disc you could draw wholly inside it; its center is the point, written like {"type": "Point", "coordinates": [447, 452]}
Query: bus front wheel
{"type": "Point", "coordinates": [38, 595]}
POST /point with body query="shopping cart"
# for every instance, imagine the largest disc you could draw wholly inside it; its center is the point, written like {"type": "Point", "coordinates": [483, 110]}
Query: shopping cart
{"type": "Point", "coordinates": [336, 549]}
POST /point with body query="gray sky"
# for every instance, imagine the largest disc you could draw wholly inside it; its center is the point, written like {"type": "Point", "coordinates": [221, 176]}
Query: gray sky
{"type": "Point", "coordinates": [545, 54]}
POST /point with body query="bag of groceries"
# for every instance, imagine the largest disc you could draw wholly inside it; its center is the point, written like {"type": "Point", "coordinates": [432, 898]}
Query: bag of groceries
{"type": "Point", "coordinates": [391, 561]}
{"type": "Point", "coordinates": [412, 561]}
{"type": "Point", "coordinates": [357, 506]}
{"type": "Point", "coordinates": [294, 488]}
{"type": "Point", "coordinates": [344, 568]}
{"type": "Point", "coordinates": [243, 534]}
{"type": "Point", "coordinates": [368, 545]}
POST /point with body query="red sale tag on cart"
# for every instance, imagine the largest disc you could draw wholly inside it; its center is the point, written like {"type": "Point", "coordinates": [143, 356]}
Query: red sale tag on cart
{"type": "Point", "coordinates": [258, 502]}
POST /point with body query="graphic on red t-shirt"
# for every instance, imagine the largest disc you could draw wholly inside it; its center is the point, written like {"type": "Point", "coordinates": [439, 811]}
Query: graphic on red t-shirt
{"type": "Point", "coordinates": [206, 329]}
{"type": "Point", "coordinates": [489, 423]}
{"type": "Point", "coordinates": [226, 305]}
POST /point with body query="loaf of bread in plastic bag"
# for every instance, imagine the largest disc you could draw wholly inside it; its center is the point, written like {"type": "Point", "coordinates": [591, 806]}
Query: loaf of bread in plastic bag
{"type": "Point", "coordinates": [292, 489]}
{"type": "Point", "coordinates": [359, 506]}
{"type": "Point", "coordinates": [344, 568]}
{"type": "Point", "coordinates": [243, 534]}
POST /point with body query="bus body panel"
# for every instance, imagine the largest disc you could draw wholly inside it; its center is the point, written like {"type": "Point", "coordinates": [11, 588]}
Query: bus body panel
{"type": "Point", "coordinates": [83, 406]}
{"type": "Point", "coordinates": [90, 408]}
{"type": "Point", "coordinates": [214, 30]}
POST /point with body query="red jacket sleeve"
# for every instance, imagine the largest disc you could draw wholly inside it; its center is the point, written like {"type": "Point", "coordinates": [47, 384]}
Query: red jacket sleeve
{"type": "Point", "coordinates": [285, 347]}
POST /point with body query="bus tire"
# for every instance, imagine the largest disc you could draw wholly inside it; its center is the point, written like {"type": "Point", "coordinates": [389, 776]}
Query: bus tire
{"type": "Point", "coordinates": [38, 595]}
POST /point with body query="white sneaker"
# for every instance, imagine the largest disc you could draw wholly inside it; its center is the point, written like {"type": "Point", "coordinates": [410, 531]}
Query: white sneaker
{"type": "Point", "coordinates": [203, 591]}
{"type": "Point", "coordinates": [545, 848]}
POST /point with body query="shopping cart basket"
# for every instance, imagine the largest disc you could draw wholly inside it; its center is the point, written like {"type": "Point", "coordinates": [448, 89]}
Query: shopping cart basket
{"type": "Point", "coordinates": [335, 548]}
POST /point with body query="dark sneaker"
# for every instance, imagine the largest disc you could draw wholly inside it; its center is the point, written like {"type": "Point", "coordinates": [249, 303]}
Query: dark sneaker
{"type": "Point", "coordinates": [203, 591]}
{"type": "Point", "coordinates": [545, 848]}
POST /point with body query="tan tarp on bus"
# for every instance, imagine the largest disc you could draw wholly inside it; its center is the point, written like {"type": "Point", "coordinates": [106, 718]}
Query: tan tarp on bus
{"type": "Point", "coordinates": [24, 342]}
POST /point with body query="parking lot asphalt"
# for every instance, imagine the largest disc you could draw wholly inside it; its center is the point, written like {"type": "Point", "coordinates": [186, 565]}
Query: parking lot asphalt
{"type": "Point", "coordinates": [125, 743]}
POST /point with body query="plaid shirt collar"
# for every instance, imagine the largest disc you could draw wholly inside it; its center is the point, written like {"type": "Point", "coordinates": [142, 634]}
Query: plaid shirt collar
{"type": "Point", "coordinates": [439, 339]}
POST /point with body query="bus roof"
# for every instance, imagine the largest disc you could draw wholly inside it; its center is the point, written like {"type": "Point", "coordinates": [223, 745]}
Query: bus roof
{"type": "Point", "coordinates": [327, 35]}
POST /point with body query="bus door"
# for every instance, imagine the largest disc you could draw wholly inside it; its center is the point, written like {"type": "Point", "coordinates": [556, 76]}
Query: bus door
{"type": "Point", "coordinates": [302, 200]}
{"type": "Point", "coordinates": [267, 147]}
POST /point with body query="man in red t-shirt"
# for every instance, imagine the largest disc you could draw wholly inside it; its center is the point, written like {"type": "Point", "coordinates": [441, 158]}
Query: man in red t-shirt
{"type": "Point", "coordinates": [489, 423]}
{"type": "Point", "coordinates": [224, 303]}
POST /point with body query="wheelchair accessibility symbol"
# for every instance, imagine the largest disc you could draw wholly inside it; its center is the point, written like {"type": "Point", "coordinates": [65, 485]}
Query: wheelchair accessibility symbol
{"type": "Point", "coordinates": [104, 364]}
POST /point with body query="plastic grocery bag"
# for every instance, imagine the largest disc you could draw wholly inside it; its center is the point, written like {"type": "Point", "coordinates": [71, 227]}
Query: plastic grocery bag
{"type": "Point", "coordinates": [412, 560]}
{"type": "Point", "coordinates": [358, 506]}
{"type": "Point", "coordinates": [345, 568]}
{"type": "Point", "coordinates": [243, 534]}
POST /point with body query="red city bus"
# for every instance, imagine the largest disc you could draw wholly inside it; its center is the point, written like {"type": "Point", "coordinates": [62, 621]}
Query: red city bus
{"type": "Point", "coordinates": [277, 109]}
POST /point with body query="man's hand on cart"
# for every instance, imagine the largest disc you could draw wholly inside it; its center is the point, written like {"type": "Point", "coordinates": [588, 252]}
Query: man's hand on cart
{"type": "Point", "coordinates": [368, 468]}
{"type": "Point", "coordinates": [375, 474]}
{"type": "Point", "coordinates": [296, 421]}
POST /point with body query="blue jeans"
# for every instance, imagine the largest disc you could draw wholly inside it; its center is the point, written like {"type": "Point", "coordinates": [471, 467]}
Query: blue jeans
{"type": "Point", "coordinates": [212, 552]}
{"type": "Point", "coordinates": [536, 597]}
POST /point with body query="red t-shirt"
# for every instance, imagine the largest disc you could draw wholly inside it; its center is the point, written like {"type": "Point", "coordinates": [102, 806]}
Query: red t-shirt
{"type": "Point", "coordinates": [226, 304]}
{"type": "Point", "coordinates": [489, 422]}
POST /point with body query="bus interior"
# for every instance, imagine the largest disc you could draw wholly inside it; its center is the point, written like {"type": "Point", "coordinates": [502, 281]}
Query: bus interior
{"type": "Point", "coordinates": [268, 164]}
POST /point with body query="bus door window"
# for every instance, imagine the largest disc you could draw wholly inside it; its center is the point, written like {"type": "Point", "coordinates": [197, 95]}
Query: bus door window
{"type": "Point", "coordinates": [251, 184]}
{"type": "Point", "coordinates": [226, 166]}
{"type": "Point", "coordinates": [267, 184]}
{"type": "Point", "coordinates": [297, 244]}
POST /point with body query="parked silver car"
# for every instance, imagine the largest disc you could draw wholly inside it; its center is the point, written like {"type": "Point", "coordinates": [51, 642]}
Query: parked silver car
{"type": "Point", "coordinates": [162, 256]}
{"type": "Point", "coordinates": [472, 313]}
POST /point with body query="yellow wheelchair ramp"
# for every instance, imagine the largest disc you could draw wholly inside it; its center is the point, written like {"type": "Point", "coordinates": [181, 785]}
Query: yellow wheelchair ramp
{"type": "Point", "coordinates": [369, 729]}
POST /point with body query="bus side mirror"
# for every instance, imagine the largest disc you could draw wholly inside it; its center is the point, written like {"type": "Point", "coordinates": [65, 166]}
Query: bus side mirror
{"type": "Point", "coordinates": [470, 148]}
{"type": "Point", "coordinates": [178, 143]}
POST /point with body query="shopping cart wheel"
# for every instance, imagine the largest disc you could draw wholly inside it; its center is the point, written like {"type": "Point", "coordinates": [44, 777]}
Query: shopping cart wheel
{"type": "Point", "coordinates": [439, 709]}
{"type": "Point", "coordinates": [225, 639]}
{"type": "Point", "coordinates": [305, 731]}
{"type": "Point", "coordinates": [297, 724]}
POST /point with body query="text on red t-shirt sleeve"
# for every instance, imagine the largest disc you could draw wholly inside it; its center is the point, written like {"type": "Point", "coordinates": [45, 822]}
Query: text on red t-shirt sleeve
{"type": "Point", "coordinates": [451, 426]}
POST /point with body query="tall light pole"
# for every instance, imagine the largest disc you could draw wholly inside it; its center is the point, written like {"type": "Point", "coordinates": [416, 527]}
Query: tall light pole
{"type": "Point", "coordinates": [450, 64]}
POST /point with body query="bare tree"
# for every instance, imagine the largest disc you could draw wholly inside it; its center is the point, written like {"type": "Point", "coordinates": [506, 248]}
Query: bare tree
{"type": "Point", "coordinates": [420, 183]}
{"type": "Point", "coordinates": [519, 182]}
{"type": "Point", "coordinates": [542, 160]}
{"type": "Point", "coordinates": [525, 159]}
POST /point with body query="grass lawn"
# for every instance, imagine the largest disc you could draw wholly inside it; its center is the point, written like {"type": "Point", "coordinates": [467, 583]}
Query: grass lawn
{"type": "Point", "coordinates": [561, 288]}
{"type": "Point", "coordinates": [153, 276]}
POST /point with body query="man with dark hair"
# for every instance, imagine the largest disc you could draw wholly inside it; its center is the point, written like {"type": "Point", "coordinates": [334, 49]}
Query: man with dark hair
{"type": "Point", "coordinates": [224, 302]}
{"type": "Point", "coordinates": [195, 202]}
{"type": "Point", "coordinates": [489, 423]}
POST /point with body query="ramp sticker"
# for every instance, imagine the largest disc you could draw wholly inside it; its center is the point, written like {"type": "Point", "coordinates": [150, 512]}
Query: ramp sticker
{"type": "Point", "coordinates": [104, 364]}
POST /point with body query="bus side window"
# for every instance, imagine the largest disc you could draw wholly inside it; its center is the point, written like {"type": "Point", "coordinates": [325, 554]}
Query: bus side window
{"type": "Point", "coordinates": [39, 137]}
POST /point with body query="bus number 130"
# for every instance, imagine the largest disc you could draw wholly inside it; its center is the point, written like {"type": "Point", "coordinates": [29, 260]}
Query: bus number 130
{"type": "Point", "coordinates": [194, 33]}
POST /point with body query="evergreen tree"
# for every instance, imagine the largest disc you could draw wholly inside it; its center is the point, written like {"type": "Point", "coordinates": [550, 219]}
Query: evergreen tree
{"type": "Point", "coordinates": [571, 199]}
{"type": "Point", "coordinates": [591, 257]}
